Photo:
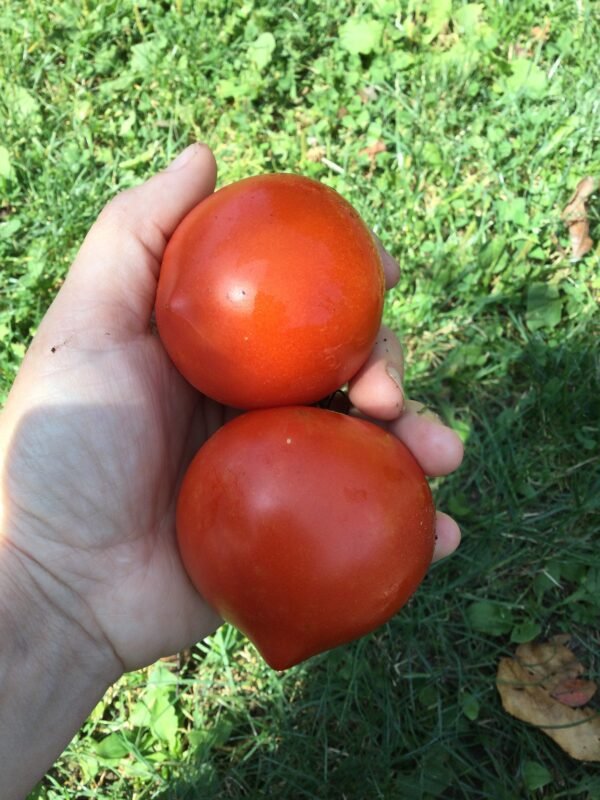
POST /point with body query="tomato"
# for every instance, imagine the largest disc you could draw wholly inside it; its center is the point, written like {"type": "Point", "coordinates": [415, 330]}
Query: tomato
{"type": "Point", "coordinates": [270, 293]}
{"type": "Point", "coordinates": [305, 528]}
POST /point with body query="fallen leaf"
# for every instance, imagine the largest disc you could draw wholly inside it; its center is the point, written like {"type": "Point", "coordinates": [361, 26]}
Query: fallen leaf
{"type": "Point", "coordinates": [562, 638]}
{"type": "Point", "coordinates": [368, 93]}
{"type": "Point", "coordinates": [517, 50]}
{"type": "Point", "coordinates": [316, 153]}
{"type": "Point", "coordinates": [575, 217]}
{"type": "Point", "coordinates": [551, 662]}
{"type": "Point", "coordinates": [581, 242]}
{"type": "Point", "coordinates": [373, 150]}
{"type": "Point", "coordinates": [179, 660]}
{"type": "Point", "coordinates": [574, 692]}
{"type": "Point", "coordinates": [575, 208]}
{"type": "Point", "coordinates": [531, 685]}
{"type": "Point", "coordinates": [541, 33]}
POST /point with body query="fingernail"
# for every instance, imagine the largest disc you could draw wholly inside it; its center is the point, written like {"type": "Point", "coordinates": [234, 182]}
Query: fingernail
{"type": "Point", "coordinates": [183, 158]}
{"type": "Point", "coordinates": [394, 375]}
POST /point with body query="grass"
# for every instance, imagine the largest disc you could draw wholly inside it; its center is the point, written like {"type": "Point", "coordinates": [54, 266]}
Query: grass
{"type": "Point", "coordinates": [489, 117]}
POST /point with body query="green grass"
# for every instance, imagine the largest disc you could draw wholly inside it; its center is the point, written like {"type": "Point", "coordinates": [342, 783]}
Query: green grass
{"type": "Point", "coordinates": [483, 150]}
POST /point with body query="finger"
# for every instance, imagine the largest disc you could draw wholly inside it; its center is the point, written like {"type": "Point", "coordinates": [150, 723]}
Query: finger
{"type": "Point", "coordinates": [118, 264]}
{"type": "Point", "coordinates": [376, 390]}
{"type": "Point", "coordinates": [437, 448]}
{"type": "Point", "coordinates": [447, 536]}
{"type": "Point", "coordinates": [151, 211]}
{"type": "Point", "coordinates": [390, 265]}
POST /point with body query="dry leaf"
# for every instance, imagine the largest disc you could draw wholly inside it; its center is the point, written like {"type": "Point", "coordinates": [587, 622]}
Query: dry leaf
{"type": "Point", "coordinates": [373, 150]}
{"type": "Point", "coordinates": [575, 208]}
{"type": "Point", "coordinates": [541, 33]}
{"type": "Point", "coordinates": [178, 661]}
{"type": "Point", "coordinates": [527, 684]}
{"type": "Point", "coordinates": [575, 217]}
{"type": "Point", "coordinates": [316, 153]}
{"type": "Point", "coordinates": [518, 50]}
{"type": "Point", "coordinates": [562, 638]}
{"type": "Point", "coordinates": [368, 93]}
{"type": "Point", "coordinates": [574, 692]}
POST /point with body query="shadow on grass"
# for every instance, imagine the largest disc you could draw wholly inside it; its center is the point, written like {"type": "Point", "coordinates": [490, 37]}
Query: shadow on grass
{"type": "Point", "coordinates": [411, 711]}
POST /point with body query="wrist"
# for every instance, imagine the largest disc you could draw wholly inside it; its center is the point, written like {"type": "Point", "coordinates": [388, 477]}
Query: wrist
{"type": "Point", "coordinates": [54, 667]}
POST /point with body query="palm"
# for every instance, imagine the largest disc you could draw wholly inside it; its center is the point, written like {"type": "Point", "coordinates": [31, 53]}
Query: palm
{"type": "Point", "coordinates": [146, 607]}
{"type": "Point", "coordinates": [112, 467]}
{"type": "Point", "coordinates": [103, 428]}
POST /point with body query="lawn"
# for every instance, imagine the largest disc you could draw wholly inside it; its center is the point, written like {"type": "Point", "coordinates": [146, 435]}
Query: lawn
{"type": "Point", "coordinates": [459, 131]}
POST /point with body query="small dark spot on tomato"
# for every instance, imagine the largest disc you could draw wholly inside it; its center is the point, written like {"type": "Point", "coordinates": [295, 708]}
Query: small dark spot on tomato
{"type": "Point", "coordinates": [53, 349]}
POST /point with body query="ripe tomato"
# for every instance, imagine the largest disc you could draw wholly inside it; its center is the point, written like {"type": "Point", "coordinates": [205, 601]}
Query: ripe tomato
{"type": "Point", "coordinates": [270, 293]}
{"type": "Point", "coordinates": [305, 528]}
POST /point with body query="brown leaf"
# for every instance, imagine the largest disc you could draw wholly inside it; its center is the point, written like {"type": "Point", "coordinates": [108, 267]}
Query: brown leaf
{"type": "Point", "coordinates": [575, 217]}
{"type": "Point", "coordinates": [518, 50]}
{"type": "Point", "coordinates": [562, 638]}
{"type": "Point", "coordinates": [541, 33]}
{"type": "Point", "coordinates": [581, 242]}
{"type": "Point", "coordinates": [550, 662]}
{"type": "Point", "coordinates": [368, 93]}
{"type": "Point", "coordinates": [576, 208]}
{"type": "Point", "coordinates": [316, 153]}
{"type": "Point", "coordinates": [574, 692]}
{"type": "Point", "coordinates": [373, 150]}
{"type": "Point", "coordinates": [178, 660]}
{"type": "Point", "coordinates": [526, 685]}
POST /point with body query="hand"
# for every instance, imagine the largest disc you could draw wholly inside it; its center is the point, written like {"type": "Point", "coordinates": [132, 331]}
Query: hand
{"type": "Point", "coordinates": [99, 429]}
{"type": "Point", "coordinates": [95, 438]}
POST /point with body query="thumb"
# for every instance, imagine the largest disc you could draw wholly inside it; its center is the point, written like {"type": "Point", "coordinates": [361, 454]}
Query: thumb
{"type": "Point", "coordinates": [113, 278]}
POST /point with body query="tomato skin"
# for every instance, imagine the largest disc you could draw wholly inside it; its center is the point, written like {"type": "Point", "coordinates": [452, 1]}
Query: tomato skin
{"type": "Point", "coordinates": [304, 528]}
{"type": "Point", "coordinates": [270, 293]}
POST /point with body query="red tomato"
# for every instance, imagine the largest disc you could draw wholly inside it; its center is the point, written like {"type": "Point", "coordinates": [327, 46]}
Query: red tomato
{"type": "Point", "coordinates": [305, 528]}
{"type": "Point", "coordinates": [270, 293]}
